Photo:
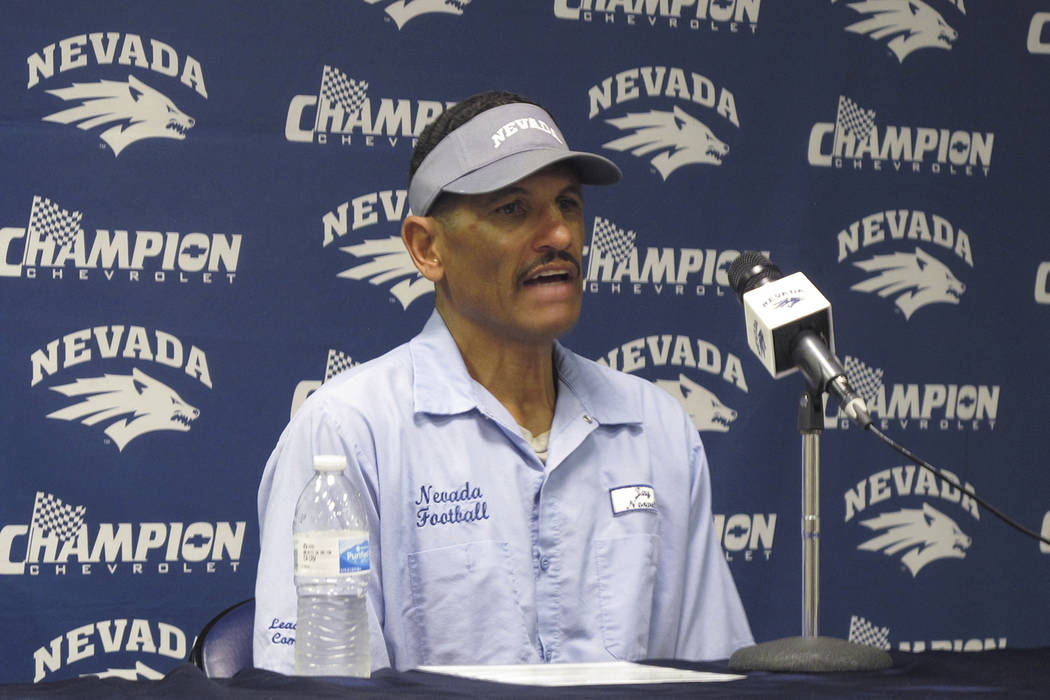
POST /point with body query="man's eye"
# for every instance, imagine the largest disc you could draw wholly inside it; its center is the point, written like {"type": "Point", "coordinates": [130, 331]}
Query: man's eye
{"type": "Point", "coordinates": [510, 208]}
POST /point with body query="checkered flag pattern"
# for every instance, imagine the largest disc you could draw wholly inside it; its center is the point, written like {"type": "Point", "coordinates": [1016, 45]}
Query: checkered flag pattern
{"type": "Point", "coordinates": [337, 362]}
{"type": "Point", "coordinates": [866, 380]}
{"type": "Point", "coordinates": [50, 514]}
{"type": "Point", "coordinates": [863, 632]}
{"type": "Point", "coordinates": [608, 239]}
{"type": "Point", "coordinates": [51, 222]}
{"type": "Point", "coordinates": [853, 119]}
{"type": "Point", "coordinates": [338, 87]}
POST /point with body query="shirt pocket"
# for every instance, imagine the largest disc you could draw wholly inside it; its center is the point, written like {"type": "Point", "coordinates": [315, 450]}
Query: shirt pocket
{"type": "Point", "coordinates": [466, 606]}
{"type": "Point", "coordinates": [626, 568]}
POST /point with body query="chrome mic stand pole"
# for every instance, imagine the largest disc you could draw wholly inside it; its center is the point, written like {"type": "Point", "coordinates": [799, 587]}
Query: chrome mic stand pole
{"type": "Point", "coordinates": [810, 513]}
{"type": "Point", "coordinates": [810, 653]}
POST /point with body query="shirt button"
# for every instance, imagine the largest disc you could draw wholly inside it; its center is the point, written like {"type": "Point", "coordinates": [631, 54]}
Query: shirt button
{"type": "Point", "coordinates": [547, 655]}
{"type": "Point", "coordinates": [545, 563]}
{"type": "Point", "coordinates": [588, 418]}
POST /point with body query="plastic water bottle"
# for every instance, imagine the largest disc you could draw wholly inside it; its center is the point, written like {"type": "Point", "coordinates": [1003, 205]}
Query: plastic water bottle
{"type": "Point", "coordinates": [330, 534]}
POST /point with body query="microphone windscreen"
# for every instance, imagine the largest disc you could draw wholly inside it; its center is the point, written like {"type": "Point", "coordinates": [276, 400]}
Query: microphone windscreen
{"type": "Point", "coordinates": [749, 270]}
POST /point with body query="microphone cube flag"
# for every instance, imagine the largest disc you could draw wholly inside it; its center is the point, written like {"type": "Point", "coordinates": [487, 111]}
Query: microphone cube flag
{"type": "Point", "coordinates": [776, 312]}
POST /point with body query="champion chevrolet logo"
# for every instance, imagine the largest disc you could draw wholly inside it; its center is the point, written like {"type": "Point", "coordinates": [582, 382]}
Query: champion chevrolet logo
{"type": "Point", "coordinates": [863, 631]}
{"type": "Point", "coordinates": [857, 143]}
{"type": "Point", "coordinates": [729, 17]}
{"type": "Point", "coordinates": [746, 537]}
{"type": "Point", "coordinates": [60, 539]}
{"type": "Point", "coordinates": [617, 263]}
{"type": "Point", "coordinates": [342, 111]}
{"type": "Point", "coordinates": [931, 406]}
{"type": "Point", "coordinates": [53, 244]}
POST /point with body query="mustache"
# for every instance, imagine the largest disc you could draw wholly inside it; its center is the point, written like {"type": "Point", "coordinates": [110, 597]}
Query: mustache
{"type": "Point", "coordinates": [547, 258]}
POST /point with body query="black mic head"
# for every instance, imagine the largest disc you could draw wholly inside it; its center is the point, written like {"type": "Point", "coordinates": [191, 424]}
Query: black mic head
{"type": "Point", "coordinates": [750, 270]}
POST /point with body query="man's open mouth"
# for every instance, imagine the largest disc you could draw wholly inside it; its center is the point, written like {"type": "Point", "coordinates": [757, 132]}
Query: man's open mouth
{"type": "Point", "coordinates": [549, 277]}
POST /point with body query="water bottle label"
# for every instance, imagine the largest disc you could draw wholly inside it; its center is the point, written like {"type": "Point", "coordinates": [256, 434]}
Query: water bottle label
{"type": "Point", "coordinates": [331, 552]}
{"type": "Point", "coordinates": [353, 554]}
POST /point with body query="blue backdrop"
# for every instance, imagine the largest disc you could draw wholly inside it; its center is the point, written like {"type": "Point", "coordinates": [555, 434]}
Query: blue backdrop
{"type": "Point", "coordinates": [199, 213]}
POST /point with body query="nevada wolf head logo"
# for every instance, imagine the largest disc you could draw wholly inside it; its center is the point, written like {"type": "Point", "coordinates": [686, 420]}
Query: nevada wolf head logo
{"type": "Point", "coordinates": [707, 412]}
{"type": "Point", "coordinates": [404, 10]}
{"type": "Point", "coordinates": [679, 138]}
{"type": "Point", "coordinates": [389, 261]}
{"type": "Point", "coordinates": [786, 302]}
{"type": "Point", "coordinates": [141, 112]}
{"type": "Point", "coordinates": [919, 277]}
{"type": "Point", "coordinates": [151, 405]}
{"type": "Point", "coordinates": [923, 535]}
{"type": "Point", "coordinates": [911, 24]}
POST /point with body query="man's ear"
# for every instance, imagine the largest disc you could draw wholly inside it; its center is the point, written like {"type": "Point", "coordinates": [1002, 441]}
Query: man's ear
{"type": "Point", "coordinates": [419, 234]}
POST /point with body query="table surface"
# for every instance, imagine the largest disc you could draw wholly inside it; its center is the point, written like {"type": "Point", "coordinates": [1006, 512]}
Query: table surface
{"type": "Point", "coordinates": [1001, 673]}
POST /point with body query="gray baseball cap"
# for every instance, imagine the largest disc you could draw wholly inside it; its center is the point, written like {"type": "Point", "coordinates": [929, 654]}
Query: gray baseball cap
{"type": "Point", "coordinates": [497, 148]}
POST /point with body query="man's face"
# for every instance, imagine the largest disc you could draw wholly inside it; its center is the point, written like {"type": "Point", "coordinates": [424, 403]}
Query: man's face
{"type": "Point", "coordinates": [511, 259]}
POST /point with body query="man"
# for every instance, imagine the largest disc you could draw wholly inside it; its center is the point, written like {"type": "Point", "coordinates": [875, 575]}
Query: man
{"type": "Point", "coordinates": [526, 505]}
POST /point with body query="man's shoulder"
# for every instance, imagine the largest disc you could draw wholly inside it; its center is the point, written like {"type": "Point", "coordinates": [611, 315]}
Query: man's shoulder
{"type": "Point", "coordinates": [367, 382]}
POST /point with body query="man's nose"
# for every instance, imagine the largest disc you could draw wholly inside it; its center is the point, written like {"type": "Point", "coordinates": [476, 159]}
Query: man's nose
{"type": "Point", "coordinates": [555, 229]}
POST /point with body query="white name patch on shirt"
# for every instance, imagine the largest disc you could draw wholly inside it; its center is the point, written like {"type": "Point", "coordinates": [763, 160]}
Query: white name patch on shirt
{"type": "Point", "coordinates": [629, 498]}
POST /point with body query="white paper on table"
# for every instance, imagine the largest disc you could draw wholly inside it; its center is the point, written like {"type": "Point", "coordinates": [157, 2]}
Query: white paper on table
{"type": "Point", "coordinates": [611, 673]}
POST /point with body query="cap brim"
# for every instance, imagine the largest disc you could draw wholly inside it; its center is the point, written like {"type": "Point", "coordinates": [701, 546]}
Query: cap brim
{"type": "Point", "coordinates": [497, 148]}
{"type": "Point", "coordinates": [592, 169]}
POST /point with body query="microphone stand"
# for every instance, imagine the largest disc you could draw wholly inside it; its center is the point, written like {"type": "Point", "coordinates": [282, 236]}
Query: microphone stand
{"type": "Point", "coordinates": [810, 653]}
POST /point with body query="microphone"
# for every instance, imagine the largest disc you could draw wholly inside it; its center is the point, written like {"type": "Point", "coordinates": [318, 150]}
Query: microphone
{"type": "Point", "coordinates": [788, 323]}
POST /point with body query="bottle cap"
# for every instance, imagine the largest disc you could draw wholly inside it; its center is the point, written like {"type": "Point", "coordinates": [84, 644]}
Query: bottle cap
{"type": "Point", "coordinates": [329, 463]}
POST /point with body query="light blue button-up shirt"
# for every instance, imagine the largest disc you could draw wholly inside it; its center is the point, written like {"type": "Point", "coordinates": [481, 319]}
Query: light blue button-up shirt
{"type": "Point", "coordinates": [483, 554]}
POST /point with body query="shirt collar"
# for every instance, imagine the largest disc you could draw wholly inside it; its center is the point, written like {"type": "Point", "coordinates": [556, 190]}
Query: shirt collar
{"type": "Point", "coordinates": [440, 381]}
{"type": "Point", "coordinates": [602, 399]}
{"type": "Point", "coordinates": [442, 385]}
